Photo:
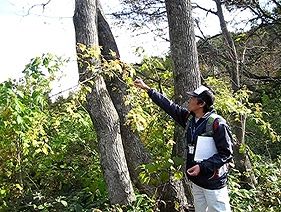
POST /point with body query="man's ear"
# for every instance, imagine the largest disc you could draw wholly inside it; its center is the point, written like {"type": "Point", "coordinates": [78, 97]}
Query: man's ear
{"type": "Point", "coordinates": [202, 104]}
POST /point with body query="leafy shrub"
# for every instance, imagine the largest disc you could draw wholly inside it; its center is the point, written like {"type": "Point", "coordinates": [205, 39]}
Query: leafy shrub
{"type": "Point", "coordinates": [266, 196]}
{"type": "Point", "coordinates": [48, 151]}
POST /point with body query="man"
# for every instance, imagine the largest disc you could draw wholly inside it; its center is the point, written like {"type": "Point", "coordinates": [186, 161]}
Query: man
{"type": "Point", "coordinates": [208, 176]}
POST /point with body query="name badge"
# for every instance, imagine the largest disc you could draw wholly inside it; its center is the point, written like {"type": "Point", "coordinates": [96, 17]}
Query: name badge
{"type": "Point", "coordinates": [191, 149]}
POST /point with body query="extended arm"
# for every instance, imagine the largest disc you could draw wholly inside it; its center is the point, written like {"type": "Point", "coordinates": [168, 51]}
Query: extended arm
{"type": "Point", "coordinates": [177, 112]}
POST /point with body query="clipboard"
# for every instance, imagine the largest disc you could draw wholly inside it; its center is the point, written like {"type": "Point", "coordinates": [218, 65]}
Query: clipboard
{"type": "Point", "coordinates": [205, 148]}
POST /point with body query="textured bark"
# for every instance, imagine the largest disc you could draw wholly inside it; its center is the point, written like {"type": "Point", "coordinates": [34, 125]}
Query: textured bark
{"type": "Point", "coordinates": [184, 56]}
{"type": "Point", "coordinates": [135, 152]}
{"type": "Point", "coordinates": [242, 161]}
{"type": "Point", "coordinates": [186, 76]}
{"type": "Point", "coordinates": [101, 109]}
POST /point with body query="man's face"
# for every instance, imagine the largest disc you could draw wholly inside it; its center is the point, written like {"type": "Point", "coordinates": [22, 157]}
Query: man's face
{"type": "Point", "coordinates": [193, 105]}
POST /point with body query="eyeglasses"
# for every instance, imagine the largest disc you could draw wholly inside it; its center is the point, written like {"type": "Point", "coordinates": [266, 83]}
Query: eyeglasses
{"type": "Point", "coordinates": [192, 97]}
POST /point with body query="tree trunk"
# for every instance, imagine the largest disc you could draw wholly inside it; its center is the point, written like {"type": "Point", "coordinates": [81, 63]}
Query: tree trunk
{"type": "Point", "coordinates": [101, 109]}
{"type": "Point", "coordinates": [186, 72]}
{"type": "Point", "coordinates": [135, 152]}
{"type": "Point", "coordinates": [184, 56]}
{"type": "Point", "coordinates": [242, 160]}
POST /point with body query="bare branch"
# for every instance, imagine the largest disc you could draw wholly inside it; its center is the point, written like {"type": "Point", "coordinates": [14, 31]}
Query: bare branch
{"type": "Point", "coordinates": [204, 9]}
{"type": "Point", "coordinates": [38, 5]}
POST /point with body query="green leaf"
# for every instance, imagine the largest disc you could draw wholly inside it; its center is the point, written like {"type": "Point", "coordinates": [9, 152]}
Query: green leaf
{"type": "Point", "coordinates": [178, 175]}
{"type": "Point", "coordinates": [150, 168]}
{"type": "Point", "coordinates": [164, 176]}
{"type": "Point", "coordinates": [19, 186]}
{"type": "Point", "coordinates": [41, 207]}
{"type": "Point", "coordinates": [78, 208]}
{"type": "Point", "coordinates": [64, 203]}
{"type": "Point", "coordinates": [178, 161]}
{"type": "Point", "coordinates": [19, 119]}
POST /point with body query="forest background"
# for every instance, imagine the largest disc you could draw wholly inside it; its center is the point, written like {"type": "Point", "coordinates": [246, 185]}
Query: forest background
{"type": "Point", "coordinates": [50, 161]}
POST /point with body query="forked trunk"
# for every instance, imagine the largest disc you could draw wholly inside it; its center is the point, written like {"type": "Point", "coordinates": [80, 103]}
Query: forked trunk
{"type": "Point", "coordinates": [101, 109]}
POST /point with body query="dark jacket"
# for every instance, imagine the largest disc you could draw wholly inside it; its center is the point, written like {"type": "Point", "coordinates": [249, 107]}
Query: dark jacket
{"type": "Point", "coordinates": [213, 171]}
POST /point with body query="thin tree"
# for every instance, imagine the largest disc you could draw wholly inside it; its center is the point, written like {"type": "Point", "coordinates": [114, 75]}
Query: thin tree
{"type": "Point", "coordinates": [242, 160]}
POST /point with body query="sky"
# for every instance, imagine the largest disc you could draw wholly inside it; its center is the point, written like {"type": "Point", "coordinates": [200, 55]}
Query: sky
{"type": "Point", "coordinates": [26, 35]}
{"type": "Point", "coordinates": [29, 31]}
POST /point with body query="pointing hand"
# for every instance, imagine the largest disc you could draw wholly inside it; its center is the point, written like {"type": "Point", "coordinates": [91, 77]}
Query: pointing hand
{"type": "Point", "coordinates": [141, 84]}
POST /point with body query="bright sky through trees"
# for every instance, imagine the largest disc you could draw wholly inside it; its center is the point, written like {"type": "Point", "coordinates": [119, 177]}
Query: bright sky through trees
{"type": "Point", "coordinates": [28, 30]}
{"type": "Point", "coordinates": [27, 34]}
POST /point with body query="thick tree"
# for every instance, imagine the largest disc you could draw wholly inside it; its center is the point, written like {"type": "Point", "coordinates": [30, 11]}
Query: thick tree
{"type": "Point", "coordinates": [184, 56]}
{"type": "Point", "coordinates": [135, 152]}
{"type": "Point", "coordinates": [184, 60]}
{"type": "Point", "coordinates": [100, 107]}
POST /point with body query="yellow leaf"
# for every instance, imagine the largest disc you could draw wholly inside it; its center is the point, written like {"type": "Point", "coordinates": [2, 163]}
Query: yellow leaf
{"type": "Point", "coordinates": [19, 187]}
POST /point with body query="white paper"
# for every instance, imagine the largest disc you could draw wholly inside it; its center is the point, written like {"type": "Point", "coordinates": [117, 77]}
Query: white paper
{"type": "Point", "coordinates": [205, 148]}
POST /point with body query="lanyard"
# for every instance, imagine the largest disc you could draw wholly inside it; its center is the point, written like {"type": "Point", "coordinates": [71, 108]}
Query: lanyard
{"type": "Point", "coordinates": [192, 130]}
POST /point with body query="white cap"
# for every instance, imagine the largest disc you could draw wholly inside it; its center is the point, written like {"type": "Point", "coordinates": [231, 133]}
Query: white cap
{"type": "Point", "coordinates": [200, 90]}
{"type": "Point", "coordinates": [204, 93]}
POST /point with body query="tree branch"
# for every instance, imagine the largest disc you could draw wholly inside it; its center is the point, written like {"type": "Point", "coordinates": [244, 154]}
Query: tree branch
{"type": "Point", "coordinates": [38, 5]}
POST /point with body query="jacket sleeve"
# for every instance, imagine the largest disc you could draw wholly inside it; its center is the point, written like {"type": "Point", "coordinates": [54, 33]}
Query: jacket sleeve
{"type": "Point", "coordinates": [178, 113]}
{"type": "Point", "coordinates": [224, 143]}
